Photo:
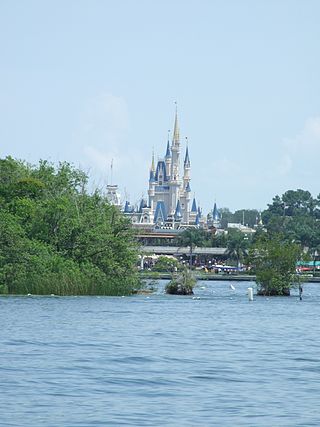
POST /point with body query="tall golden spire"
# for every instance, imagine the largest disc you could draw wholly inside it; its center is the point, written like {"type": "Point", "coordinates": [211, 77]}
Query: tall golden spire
{"type": "Point", "coordinates": [176, 132]}
{"type": "Point", "coordinates": [152, 162]}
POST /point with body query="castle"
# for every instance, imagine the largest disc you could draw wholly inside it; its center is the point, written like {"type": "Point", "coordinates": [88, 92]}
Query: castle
{"type": "Point", "coordinates": [169, 194]}
{"type": "Point", "coordinates": [169, 205]}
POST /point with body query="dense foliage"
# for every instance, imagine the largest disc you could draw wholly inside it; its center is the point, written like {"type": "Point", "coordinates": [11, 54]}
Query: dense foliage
{"type": "Point", "coordinates": [181, 284]}
{"type": "Point", "coordinates": [274, 259]}
{"type": "Point", "coordinates": [166, 264]}
{"type": "Point", "coordinates": [295, 214]}
{"type": "Point", "coordinates": [57, 238]}
{"type": "Point", "coordinates": [192, 237]}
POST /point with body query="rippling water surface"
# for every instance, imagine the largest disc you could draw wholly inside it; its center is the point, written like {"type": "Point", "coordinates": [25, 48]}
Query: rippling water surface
{"type": "Point", "coordinates": [161, 360]}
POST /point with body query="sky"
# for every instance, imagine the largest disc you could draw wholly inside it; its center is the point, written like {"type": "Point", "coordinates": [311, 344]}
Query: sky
{"type": "Point", "coordinates": [91, 81]}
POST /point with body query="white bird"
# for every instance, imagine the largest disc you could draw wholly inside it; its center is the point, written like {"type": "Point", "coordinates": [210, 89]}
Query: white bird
{"type": "Point", "coordinates": [232, 287]}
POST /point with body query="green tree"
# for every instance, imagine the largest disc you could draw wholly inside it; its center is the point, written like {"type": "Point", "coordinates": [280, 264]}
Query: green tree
{"type": "Point", "coordinates": [226, 217]}
{"type": "Point", "coordinates": [274, 260]}
{"type": "Point", "coordinates": [237, 245]}
{"type": "Point", "coordinates": [55, 237]}
{"type": "Point", "coordinates": [167, 264]}
{"type": "Point", "coordinates": [192, 237]}
{"type": "Point", "coordinates": [247, 217]}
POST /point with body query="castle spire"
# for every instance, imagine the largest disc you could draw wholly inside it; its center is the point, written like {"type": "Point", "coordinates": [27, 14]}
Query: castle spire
{"type": "Point", "coordinates": [168, 153]}
{"type": "Point", "coordinates": [176, 132]}
{"type": "Point", "coordinates": [186, 159]}
{"type": "Point", "coordinates": [194, 206]}
{"type": "Point", "coordinates": [152, 162]}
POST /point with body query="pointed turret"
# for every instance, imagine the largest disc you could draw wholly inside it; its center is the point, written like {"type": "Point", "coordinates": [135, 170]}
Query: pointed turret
{"type": "Point", "coordinates": [168, 152]}
{"type": "Point", "coordinates": [168, 158]}
{"type": "Point", "coordinates": [176, 132]}
{"type": "Point", "coordinates": [143, 204]}
{"type": "Point", "coordinates": [186, 159]}
{"type": "Point", "coordinates": [151, 176]}
{"type": "Point", "coordinates": [152, 162]}
{"type": "Point", "coordinates": [197, 221]}
{"type": "Point", "coordinates": [178, 213]}
{"type": "Point", "coordinates": [188, 188]}
{"type": "Point", "coordinates": [175, 150]}
{"type": "Point", "coordinates": [128, 208]}
{"type": "Point", "coordinates": [194, 206]}
{"type": "Point", "coordinates": [215, 212]}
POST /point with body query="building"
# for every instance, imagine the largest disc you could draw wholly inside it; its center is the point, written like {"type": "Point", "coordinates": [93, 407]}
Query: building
{"type": "Point", "coordinates": [169, 205]}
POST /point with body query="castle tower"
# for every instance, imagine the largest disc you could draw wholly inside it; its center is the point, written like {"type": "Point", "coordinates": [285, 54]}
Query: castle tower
{"type": "Point", "coordinates": [151, 185]}
{"type": "Point", "coordinates": [174, 184]}
{"type": "Point", "coordinates": [185, 194]}
{"type": "Point", "coordinates": [168, 159]}
{"type": "Point", "coordinates": [175, 150]}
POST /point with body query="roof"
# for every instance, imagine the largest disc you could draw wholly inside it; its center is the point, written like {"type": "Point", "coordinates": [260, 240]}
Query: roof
{"type": "Point", "coordinates": [160, 212]}
{"type": "Point", "coordinates": [194, 206]}
{"type": "Point", "coordinates": [178, 213]}
{"type": "Point", "coordinates": [186, 159]}
{"type": "Point", "coordinates": [128, 208]}
{"type": "Point", "coordinates": [168, 153]}
{"type": "Point", "coordinates": [151, 176]}
{"type": "Point", "coordinates": [143, 204]}
{"type": "Point", "coordinates": [215, 212]}
{"type": "Point", "coordinates": [161, 167]}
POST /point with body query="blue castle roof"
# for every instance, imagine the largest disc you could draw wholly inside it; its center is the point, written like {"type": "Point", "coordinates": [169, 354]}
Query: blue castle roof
{"type": "Point", "coordinates": [178, 213]}
{"type": "Point", "coordinates": [160, 212]}
{"type": "Point", "coordinates": [168, 153]}
{"type": "Point", "coordinates": [215, 212]}
{"type": "Point", "coordinates": [197, 219]}
{"type": "Point", "coordinates": [143, 204]}
{"type": "Point", "coordinates": [151, 177]}
{"type": "Point", "coordinates": [161, 166]}
{"type": "Point", "coordinates": [194, 206]}
{"type": "Point", "coordinates": [186, 159]}
{"type": "Point", "coordinates": [128, 208]}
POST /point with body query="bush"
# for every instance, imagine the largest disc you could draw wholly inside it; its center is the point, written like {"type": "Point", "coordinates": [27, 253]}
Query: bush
{"type": "Point", "coordinates": [166, 264]}
{"type": "Point", "coordinates": [182, 284]}
{"type": "Point", "coordinates": [274, 262]}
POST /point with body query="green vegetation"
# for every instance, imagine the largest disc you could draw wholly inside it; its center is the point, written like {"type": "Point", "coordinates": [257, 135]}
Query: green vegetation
{"type": "Point", "coordinates": [166, 264]}
{"type": "Point", "coordinates": [296, 215]}
{"type": "Point", "coordinates": [243, 216]}
{"type": "Point", "coordinates": [237, 245]}
{"type": "Point", "coordinates": [192, 237]}
{"type": "Point", "coordinates": [181, 284]}
{"type": "Point", "coordinates": [274, 260]}
{"type": "Point", "coordinates": [56, 238]}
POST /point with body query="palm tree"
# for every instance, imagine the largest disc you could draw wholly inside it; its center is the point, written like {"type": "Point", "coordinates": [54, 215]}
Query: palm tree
{"type": "Point", "coordinates": [192, 237]}
{"type": "Point", "coordinates": [237, 245]}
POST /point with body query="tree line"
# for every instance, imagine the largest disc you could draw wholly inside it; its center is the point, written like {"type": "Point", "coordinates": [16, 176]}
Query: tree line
{"type": "Point", "coordinates": [57, 238]}
{"type": "Point", "coordinates": [290, 231]}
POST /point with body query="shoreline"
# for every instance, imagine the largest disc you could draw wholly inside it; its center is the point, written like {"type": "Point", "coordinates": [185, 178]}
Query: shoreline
{"type": "Point", "coordinates": [216, 277]}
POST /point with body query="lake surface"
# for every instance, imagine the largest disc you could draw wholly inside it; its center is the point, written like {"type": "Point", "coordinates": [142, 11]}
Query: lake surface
{"type": "Point", "coordinates": [161, 360]}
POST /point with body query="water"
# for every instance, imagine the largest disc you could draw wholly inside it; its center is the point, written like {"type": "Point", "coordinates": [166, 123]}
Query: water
{"type": "Point", "coordinates": [161, 360]}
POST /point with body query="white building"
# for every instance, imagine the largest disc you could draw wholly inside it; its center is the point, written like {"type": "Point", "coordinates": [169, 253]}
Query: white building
{"type": "Point", "coordinates": [169, 202]}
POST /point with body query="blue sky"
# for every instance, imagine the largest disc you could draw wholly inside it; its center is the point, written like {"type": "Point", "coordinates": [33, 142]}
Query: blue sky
{"type": "Point", "coordinates": [88, 81]}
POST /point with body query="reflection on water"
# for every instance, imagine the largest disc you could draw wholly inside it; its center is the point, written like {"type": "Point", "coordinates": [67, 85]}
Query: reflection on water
{"type": "Point", "coordinates": [161, 360]}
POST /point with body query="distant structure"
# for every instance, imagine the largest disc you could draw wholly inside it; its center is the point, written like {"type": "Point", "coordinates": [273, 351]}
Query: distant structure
{"type": "Point", "coordinates": [214, 218]}
{"type": "Point", "coordinates": [113, 195]}
{"type": "Point", "coordinates": [169, 204]}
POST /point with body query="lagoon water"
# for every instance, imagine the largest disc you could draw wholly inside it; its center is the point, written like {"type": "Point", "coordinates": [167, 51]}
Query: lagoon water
{"type": "Point", "coordinates": [161, 360]}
